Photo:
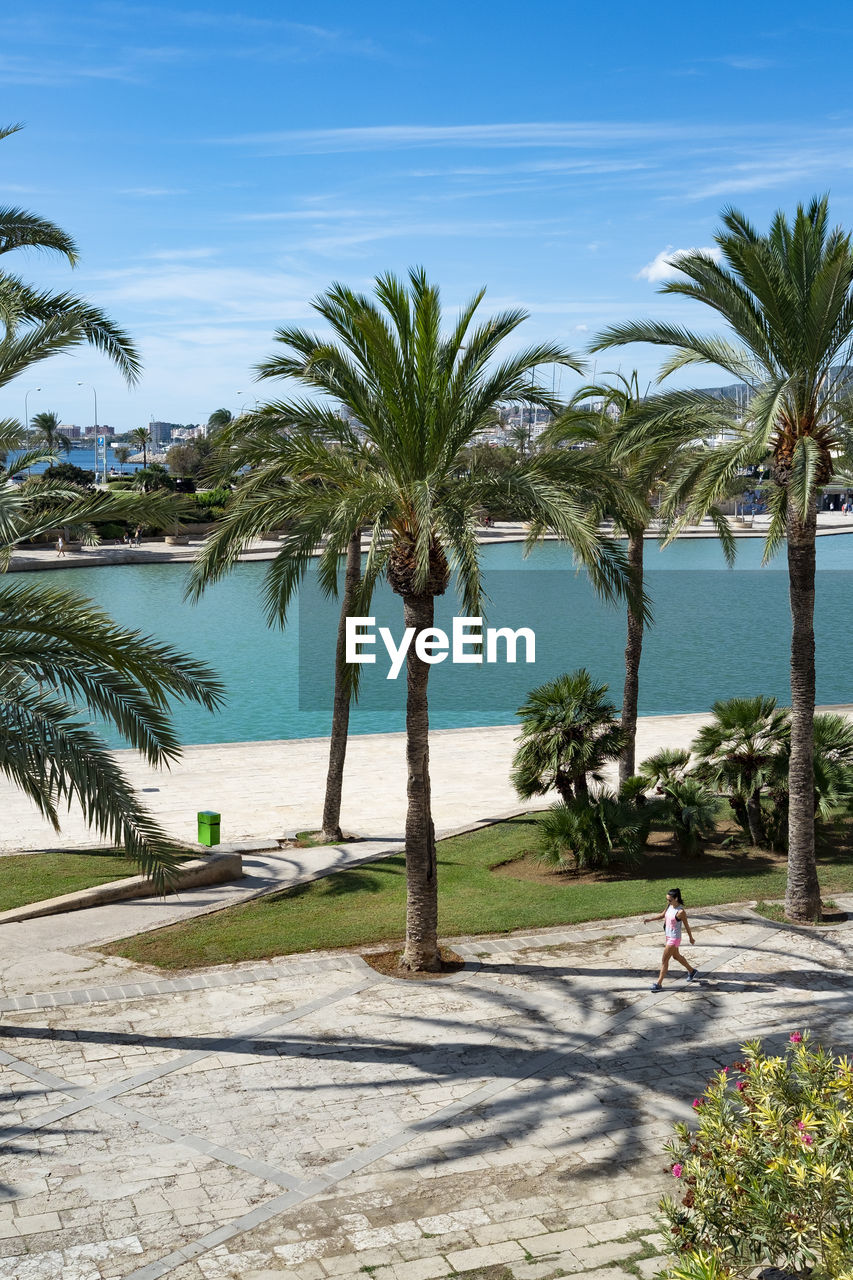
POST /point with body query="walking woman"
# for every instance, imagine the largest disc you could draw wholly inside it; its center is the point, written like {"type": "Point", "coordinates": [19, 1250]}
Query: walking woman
{"type": "Point", "coordinates": [675, 919]}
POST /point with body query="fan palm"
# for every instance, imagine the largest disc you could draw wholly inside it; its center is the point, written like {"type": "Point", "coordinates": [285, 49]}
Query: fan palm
{"type": "Point", "coordinates": [663, 430]}
{"type": "Point", "coordinates": [420, 398]}
{"type": "Point", "coordinates": [568, 733]}
{"type": "Point", "coordinates": [737, 751]}
{"type": "Point", "coordinates": [46, 427]}
{"type": "Point", "coordinates": [787, 299]}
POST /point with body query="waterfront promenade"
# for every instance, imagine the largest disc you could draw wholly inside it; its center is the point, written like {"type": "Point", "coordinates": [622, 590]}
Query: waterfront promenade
{"type": "Point", "coordinates": [269, 789]}
{"type": "Point", "coordinates": [157, 551]}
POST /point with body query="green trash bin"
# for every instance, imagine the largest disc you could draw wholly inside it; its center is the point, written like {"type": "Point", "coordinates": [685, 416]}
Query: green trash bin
{"type": "Point", "coordinates": [208, 827]}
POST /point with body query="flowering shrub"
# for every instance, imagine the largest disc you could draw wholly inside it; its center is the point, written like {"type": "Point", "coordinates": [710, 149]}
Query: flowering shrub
{"type": "Point", "coordinates": [766, 1177]}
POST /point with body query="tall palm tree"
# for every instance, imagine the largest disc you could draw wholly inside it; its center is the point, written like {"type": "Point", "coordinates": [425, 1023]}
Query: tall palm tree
{"type": "Point", "coordinates": [46, 428]}
{"type": "Point", "coordinates": [420, 397]}
{"type": "Point", "coordinates": [141, 436]}
{"type": "Point", "coordinates": [62, 660]}
{"type": "Point", "coordinates": [737, 751]}
{"type": "Point", "coordinates": [256, 449]}
{"type": "Point", "coordinates": [568, 733]}
{"type": "Point", "coordinates": [38, 324]}
{"type": "Point", "coordinates": [663, 428]}
{"type": "Point", "coordinates": [786, 297]}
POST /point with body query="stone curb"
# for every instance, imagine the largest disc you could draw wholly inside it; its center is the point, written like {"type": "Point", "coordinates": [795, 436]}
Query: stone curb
{"type": "Point", "coordinates": [215, 869]}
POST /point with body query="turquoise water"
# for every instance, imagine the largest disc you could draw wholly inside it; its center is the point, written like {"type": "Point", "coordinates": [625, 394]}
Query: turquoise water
{"type": "Point", "coordinates": [717, 633]}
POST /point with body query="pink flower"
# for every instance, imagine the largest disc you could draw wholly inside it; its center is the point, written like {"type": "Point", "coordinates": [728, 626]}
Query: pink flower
{"type": "Point", "coordinates": [740, 1086]}
{"type": "Point", "coordinates": [807, 1139]}
{"type": "Point", "coordinates": [677, 1170]}
{"type": "Point", "coordinates": [800, 1124]}
{"type": "Point", "coordinates": [795, 1038]}
{"type": "Point", "coordinates": [725, 1071]}
{"type": "Point", "coordinates": [697, 1103]}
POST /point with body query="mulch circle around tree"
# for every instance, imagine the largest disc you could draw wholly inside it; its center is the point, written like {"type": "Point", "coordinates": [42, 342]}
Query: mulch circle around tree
{"type": "Point", "coordinates": [388, 963]}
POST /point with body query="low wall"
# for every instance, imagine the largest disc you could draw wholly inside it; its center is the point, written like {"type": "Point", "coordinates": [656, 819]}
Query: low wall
{"type": "Point", "coordinates": [216, 869]}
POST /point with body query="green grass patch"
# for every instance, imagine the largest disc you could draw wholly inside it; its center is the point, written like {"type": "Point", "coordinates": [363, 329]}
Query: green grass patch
{"type": "Point", "coordinates": [32, 877]}
{"type": "Point", "coordinates": [489, 882]}
{"type": "Point", "coordinates": [776, 911]}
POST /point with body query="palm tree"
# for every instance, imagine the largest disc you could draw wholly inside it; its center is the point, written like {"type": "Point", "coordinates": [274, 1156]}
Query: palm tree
{"type": "Point", "coordinates": [421, 398]}
{"type": "Point", "coordinates": [61, 659]}
{"type": "Point", "coordinates": [122, 452]}
{"type": "Point", "coordinates": [46, 428]}
{"type": "Point", "coordinates": [600, 416]}
{"type": "Point", "coordinates": [737, 752]}
{"type": "Point", "coordinates": [253, 449]}
{"type": "Point", "coordinates": [787, 299]}
{"type": "Point", "coordinates": [63, 662]}
{"type": "Point", "coordinates": [218, 419]}
{"type": "Point", "coordinates": [142, 437]}
{"type": "Point", "coordinates": [568, 733]}
{"type": "Point", "coordinates": [36, 325]}
{"type": "Point", "coordinates": [521, 435]}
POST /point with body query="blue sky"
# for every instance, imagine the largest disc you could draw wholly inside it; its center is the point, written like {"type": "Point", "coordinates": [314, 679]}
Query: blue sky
{"type": "Point", "coordinates": [221, 163]}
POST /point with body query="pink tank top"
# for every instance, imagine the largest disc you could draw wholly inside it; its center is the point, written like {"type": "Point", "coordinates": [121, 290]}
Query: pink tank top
{"type": "Point", "coordinates": [672, 925]}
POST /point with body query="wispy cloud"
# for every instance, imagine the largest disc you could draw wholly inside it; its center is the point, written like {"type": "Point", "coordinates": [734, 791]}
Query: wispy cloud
{"type": "Point", "coordinates": [152, 191]}
{"type": "Point", "coordinates": [745, 62]}
{"type": "Point", "coordinates": [182, 255]}
{"type": "Point", "coordinates": [534, 134]}
{"type": "Point", "coordinates": [20, 69]}
{"type": "Point", "coordinates": [279, 36]}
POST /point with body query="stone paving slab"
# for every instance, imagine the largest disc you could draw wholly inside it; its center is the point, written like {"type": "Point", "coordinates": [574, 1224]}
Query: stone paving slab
{"type": "Point", "coordinates": [318, 1122]}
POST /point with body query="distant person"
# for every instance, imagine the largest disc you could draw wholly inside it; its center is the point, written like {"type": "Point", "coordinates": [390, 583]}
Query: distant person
{"type": "Point", "coordinates": [60, 546]}
{"type": "Point", "coordinates": [674, 918]}
{"type": "Point", "coordinates": [137, 535]}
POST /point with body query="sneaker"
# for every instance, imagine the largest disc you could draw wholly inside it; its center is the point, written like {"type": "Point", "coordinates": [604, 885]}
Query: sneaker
{"type": "Point", "coordinates": [656, 986]}
{"type": "Point", "coordinates": [692, 974]}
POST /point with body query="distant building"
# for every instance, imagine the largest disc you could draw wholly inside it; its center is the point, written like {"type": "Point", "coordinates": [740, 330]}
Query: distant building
{"type": "Point", "coordinates": [181, 434]}
{"type": "Point", "coordinates": [161, 432]}
{"type": "Point", "coordinates": [70, 431]}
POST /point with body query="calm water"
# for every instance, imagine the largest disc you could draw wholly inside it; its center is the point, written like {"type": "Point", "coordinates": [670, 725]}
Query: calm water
{"type": "Point", "coordinates": [717, 633]}
{"type": "Point", "coordinates": [85, 459]}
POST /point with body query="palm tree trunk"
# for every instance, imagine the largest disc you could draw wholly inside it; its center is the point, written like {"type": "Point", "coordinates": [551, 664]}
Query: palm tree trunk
{"type": "Point", "coordinates": [802, 900]}
{"type": "Point", "coordinates": [633, 653]}
{"type": "Point", "coordinates": [421, 951]}
{"type": "Point", "coordinates": [753, 817]}
{"type": "Point", "coordinates": [343, 692]}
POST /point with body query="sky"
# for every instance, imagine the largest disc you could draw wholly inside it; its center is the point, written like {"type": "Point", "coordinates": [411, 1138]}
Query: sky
{"type": "Point", "coordinates": [221, 163]}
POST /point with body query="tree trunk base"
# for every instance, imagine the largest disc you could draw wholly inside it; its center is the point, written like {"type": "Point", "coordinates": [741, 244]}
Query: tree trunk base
{"type": "Point", "coordinates": [332, 837]}
{"type": "Point", "coordinates": [811, 915]}
{"type": "Point", "coordinates": [420, 961]}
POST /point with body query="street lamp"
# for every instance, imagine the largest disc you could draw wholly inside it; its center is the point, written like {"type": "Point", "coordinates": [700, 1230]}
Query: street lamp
{"type": "Point", "coordinates": [27, 417]}
{"type": "Point", "coordinates": [26, 410]}
{"type": "Point", "coordinates": [95, 394]}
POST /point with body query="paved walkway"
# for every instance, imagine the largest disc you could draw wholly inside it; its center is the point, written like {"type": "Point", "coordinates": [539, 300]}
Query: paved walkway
{"type": "Point", "coordinates": [267, 789]}
{"type": "Point", "coordinates": [157, 551]}
{"type": "Point", "coordinates": [310, 1119]}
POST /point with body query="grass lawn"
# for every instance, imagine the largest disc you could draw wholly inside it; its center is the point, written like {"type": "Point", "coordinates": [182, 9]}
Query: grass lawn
{"type": "Point", "coordinates": [32, 877]}
{"type": "Point", "coordinates": [488, 883]}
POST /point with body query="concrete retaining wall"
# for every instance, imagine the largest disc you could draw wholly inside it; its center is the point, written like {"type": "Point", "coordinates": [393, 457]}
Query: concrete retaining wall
{"type": "Point", "coordinates": [215, 869]}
